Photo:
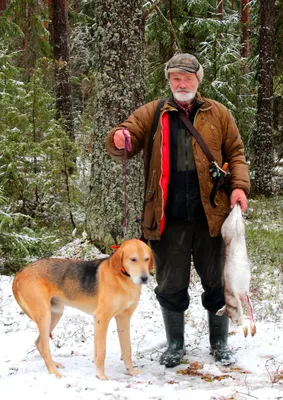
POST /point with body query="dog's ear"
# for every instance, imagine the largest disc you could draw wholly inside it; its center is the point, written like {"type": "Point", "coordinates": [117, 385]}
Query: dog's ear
{"type": "Point", "coordinates": [116, 261]}
{"type": "Point", "coordinates": [151, 261]}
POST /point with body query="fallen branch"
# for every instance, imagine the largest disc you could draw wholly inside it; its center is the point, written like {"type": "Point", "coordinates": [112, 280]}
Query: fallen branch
{"type": "Point", "coordinates": [274, 376]}
{"type": "Point", "coordinates": [245, 394]}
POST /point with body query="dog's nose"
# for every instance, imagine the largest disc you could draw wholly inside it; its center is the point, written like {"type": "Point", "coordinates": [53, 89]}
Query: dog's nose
{"type": "Point", "coordinates": [144, 279]}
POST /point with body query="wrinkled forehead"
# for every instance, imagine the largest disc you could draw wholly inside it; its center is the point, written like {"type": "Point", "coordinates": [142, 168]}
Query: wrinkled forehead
{"type": "Point", "coordinates": [182, 75]}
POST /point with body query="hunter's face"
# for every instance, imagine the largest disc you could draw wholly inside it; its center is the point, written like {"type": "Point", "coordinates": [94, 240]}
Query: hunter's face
{"type": "Point", "coordinates": [184, 86]}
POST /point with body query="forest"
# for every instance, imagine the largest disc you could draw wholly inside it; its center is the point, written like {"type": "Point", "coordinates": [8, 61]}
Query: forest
{"type": "Point", "coordinates": [71, 70]}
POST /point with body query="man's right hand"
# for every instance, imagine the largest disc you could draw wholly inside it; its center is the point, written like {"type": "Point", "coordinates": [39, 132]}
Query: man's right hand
{"type": "Point", "coordinates": [119, 138]}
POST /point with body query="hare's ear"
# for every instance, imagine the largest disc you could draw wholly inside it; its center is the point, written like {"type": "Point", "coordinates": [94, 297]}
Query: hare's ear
{"type": "Point", "coordinates": [116, 261]}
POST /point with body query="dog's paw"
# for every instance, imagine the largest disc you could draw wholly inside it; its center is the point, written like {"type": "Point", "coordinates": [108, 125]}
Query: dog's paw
{"type": "Point", "coordinates": [56, 373]}
{"type": "Point", "coordinates": [134, 372]}
{"type": "Point", "coordinates": [102, 377]}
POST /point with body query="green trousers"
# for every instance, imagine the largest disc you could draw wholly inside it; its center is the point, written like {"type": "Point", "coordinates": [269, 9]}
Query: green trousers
{"type": "Point", "coordinates": [183, 243]}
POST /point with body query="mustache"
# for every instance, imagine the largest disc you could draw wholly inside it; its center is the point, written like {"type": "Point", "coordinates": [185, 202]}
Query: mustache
{"type": "Point", "coordinates": [183, 91]}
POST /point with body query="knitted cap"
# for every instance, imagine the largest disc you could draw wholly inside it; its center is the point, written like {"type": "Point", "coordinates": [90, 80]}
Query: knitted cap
{"type": "Point", "coordinates": [184, 63]}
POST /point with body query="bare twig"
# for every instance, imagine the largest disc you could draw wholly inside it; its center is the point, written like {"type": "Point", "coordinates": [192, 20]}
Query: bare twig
{"type": "Point", "coordinates": [172, 30]}
{"type": "Point", "coordinates": [267, 369]}
{"type": "Point", "coordinates": [153, 7]}
{"type": "Point", "coordinates": [273, 376]}
{"type": "Point", "coordinates": [246, 394]}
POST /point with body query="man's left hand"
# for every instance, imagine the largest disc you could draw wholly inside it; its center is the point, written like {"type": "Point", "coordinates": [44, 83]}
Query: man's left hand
{"type": "Point", "coordinates": [239, 196]}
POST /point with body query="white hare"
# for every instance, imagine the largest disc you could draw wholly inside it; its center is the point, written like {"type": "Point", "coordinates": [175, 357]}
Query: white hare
{"type": "Point", "coordinates": [237, 273]}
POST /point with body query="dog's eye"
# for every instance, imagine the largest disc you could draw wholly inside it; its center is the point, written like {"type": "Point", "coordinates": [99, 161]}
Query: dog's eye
{"type": "Point", "coordinates": [146, 259]}
{"type": "Point", "coordinates": [133, 259]}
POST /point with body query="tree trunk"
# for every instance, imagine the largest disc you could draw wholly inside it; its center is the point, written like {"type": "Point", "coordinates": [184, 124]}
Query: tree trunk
{"type": "Point", "coordinates": [28, 58]}
{"type": "Point", "coordinates": [119, 39]}
{"type": "Point", "coordinates": [264, 155]}
{"type": "Point", "coordinates": [3, 4]}
{"type": "Point", "coordinates": [278, 96]}
{"type": "Point", "coordinates": [220, 9]}
{"type": "Point", "coordinates": [171, 19]}
{"type": "Point", "coordinates": [60, 33]}
{"type": "Point", "coordinates": [245, 19]}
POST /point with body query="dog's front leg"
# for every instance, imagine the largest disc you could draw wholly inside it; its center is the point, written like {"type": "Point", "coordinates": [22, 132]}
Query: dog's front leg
{"type": "Point", "coordinates": [123, 326]}
{"type": "Point", "coordinates": [101, 322]}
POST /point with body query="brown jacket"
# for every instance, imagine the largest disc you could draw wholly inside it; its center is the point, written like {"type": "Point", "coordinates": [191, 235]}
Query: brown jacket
{"type": "Point", "coordinates": [218, 129]}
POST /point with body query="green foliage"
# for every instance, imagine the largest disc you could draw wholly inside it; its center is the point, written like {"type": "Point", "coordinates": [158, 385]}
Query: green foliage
{"type": "Point", "coordinates": [36, 149]}
{"type": "Point", "coordinates": [161, 45]}
{"type": "Point", "coordinates": [10, 33]}
{"type": "Point", "coordinates": [37, 192]}
{"type": "Point", "coordinates": [20, 240]}
{"type": "Point", "coordinates": [31, 21]}
{"type": "Point", "coordinates": [265, 230]}
{"type": "Point", "coordinates": [228, 77]}
{"type": "Point", "coordinates": [36, 155]}
{"type": "Point", "coordinates": [264, 237]}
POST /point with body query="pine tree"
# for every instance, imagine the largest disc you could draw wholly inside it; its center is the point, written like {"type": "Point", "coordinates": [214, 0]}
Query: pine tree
{"type": "Point", "coordinates": [32, 158]}
{"type": "Point", "coordinates": [20, 240]}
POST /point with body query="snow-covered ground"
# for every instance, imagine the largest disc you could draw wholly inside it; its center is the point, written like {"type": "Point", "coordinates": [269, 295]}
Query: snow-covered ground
{"type": "Point", "coordinates": [258, 373]}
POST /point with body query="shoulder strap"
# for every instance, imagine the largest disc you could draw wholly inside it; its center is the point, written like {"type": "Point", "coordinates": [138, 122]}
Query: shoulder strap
{"type": "Point", "coordinates": [197, 136]}
{"type": "Point", "coordinates": [222, 175]}
{"type": "Point", "coordinates": [151, 137]}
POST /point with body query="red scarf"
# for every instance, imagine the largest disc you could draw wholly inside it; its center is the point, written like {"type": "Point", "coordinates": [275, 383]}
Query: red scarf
{"type": "Point", "coordinates": [186, 109]}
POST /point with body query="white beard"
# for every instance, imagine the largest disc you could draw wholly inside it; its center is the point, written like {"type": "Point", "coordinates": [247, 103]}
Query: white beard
{"type": "Point", "coordinates": [184, 96]}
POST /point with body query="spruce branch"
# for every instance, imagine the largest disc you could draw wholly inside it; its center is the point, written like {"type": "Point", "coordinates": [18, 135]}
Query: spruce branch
{"type": "Point", "coordinates": [154, 6]}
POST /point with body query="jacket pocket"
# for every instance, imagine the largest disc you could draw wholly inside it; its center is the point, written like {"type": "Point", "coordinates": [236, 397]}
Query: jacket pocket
{"type": "Point", "coordinates": [222, 199]}
{"type": "Point", "coordinates": [149, 211]}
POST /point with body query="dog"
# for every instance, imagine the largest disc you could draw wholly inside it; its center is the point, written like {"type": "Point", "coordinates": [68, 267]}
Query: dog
{"type": "Point", "coordinates": [237, 273]}
{"type": "Point", "coordinates": [106, 288]}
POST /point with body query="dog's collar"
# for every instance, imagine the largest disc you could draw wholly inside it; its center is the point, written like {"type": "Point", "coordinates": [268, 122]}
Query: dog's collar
{"type": "Point", "coordinates": [125, 272]}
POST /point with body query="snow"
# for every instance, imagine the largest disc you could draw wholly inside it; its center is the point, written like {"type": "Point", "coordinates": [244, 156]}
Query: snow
{"type": "Point", "coordinates": [258, 373]}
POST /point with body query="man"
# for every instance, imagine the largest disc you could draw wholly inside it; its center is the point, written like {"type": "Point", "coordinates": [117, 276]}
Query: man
{"type": "Point", "coordinates": [179, 218]}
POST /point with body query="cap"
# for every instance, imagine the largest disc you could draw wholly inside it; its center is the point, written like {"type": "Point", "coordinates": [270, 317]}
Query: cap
{"type": "Point", "coordinates": [184, 63]}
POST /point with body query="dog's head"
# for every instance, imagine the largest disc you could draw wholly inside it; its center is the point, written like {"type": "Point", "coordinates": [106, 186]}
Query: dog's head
{"type": "Point", "coordinates": [135, 258]}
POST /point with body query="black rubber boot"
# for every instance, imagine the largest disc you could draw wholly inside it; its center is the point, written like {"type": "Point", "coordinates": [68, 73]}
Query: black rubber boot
{"type": "Point", "coordinates": [174, 323]}
{"type": "Point", "coordinates": [218, 335]}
